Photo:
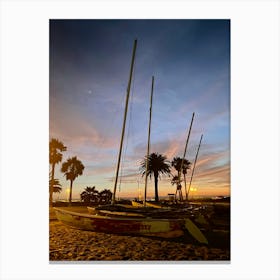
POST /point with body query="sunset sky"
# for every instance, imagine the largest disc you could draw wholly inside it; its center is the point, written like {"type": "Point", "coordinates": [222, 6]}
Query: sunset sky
{"type": "Point", "coordinates": [89, 70]}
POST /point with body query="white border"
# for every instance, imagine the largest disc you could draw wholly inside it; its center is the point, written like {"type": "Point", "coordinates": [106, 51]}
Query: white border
{"type": "Point", "coordinates": [254, 145]}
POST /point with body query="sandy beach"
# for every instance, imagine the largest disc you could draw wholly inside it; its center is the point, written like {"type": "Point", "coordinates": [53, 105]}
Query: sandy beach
{"type": "Point", "coordinates": [70, 244]}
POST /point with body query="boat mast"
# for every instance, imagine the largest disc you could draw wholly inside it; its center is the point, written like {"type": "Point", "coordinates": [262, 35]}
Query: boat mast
{"type": "Point", "coordinates": [182, 162]}
{"type": "Point", "coordinates": [195, 163]}
{"type": "Point", "coordinates": [124, 120]}
{"type": "Point", "coordinates": [148, 146]}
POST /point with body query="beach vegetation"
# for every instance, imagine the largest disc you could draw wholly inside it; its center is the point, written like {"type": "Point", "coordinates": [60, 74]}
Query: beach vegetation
{"type": "Point", "coordinates": [157, 165]}
{"type": "Point", "coordinates": [56, 185]}
{"type": "Point", "coordinates": [56, 148]}
{"type": "Point", "coordinates": [90, 194]}
{"type": "Point", "coordinates": [72, 168]}
{"type": "Point", "coordinates": [178, 163]}
{"type": "Point", "coordinates": [105, 196]}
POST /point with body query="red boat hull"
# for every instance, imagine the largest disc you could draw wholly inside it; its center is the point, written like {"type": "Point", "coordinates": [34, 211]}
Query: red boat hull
{"type": "Point", "coordinates": [168, 228]}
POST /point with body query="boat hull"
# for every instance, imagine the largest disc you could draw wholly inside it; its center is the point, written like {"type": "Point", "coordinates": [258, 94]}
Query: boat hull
{"type": "Point", "coordinates": [116, 214]}
{"type": "Point", "coordinates": [154, 205]}
{"type": "Point", "coordinates": [136, 204]}
{"type": "Point", "coordinates": [132, 226]}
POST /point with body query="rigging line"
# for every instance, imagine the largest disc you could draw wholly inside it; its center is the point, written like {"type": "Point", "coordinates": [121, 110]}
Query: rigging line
{"type": "Point", "coordinates": [121, 173]}
{"type": "Point", "coordinates": [194, 164]}
{"type": "Point", "coordinates": [123, 155]}
{"type": "Point", "coordinates": [130, 127]}
{"type": "Point", "coordinates": [121, 170]}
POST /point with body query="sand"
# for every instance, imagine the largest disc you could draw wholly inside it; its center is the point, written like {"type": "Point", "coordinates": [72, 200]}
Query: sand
{"type": "Point", "coordinates": [70, 244]}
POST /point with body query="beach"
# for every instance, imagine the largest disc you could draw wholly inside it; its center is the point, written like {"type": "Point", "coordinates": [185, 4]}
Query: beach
{"type": "Point", "coordinates": [71, 244]}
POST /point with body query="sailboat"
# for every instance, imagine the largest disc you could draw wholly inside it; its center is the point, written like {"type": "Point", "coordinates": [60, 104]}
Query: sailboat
{"type": "Point", "coordinates": [157, 205]}
{"type": "Point", "coordinates": [124, 221]}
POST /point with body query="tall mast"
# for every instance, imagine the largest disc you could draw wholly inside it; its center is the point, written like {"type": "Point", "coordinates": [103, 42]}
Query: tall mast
{"type": "Point", "coordinates": [182, 162]}
{"type": "Point", "coordinates": [148, 146]}
{"type": "Point", "coordinates": [124, 120]}
{"type": "Point", "coordinates": [195, 162]}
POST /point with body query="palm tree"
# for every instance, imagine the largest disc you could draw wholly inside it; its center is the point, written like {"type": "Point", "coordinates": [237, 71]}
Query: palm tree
{"type": "Point", "coordinates": [55, 156]}
{"type": "Point", "coordinates": [176, 163]}
{"type": "Point", "coordinates": [157, 164]}
{"type": "Point", "coordinates": [105, 196]}
{"type": "Point", "coordinates": [175, 180]}
{"type": "Point", "coordinates": [56, 185]}
{"type": "Point", "coordinates": [72, 168]}
{"type": "Point", "coordinates": [90, 194]}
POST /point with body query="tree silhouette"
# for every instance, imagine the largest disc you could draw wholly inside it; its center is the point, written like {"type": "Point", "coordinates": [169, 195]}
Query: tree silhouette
{"type": "Point", "coordinates": [176, 163]}
{"type": "Point", "coordinates": [175, 180]}
{"type": "Point", "coordinates": [157, 164]}
{"type": "Point", "coordinates": [55, 156]}
{"type": "Point", "coordinates": [105, 196]}
{"type": "Point", "coordinates": [56, 185]}
{"type": "Point", "coordinates": [90, 194]}
{"type": "Point", "coordinates": [72, 168]}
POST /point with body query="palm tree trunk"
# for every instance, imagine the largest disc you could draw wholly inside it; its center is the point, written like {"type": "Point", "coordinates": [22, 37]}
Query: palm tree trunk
{"type": "Point", "coordinates": [177, 185]}
{"type": "Point", "coordinates": [156, 186]}
{"type": "Point", "coordinates": [185, 182]}
{"type": "Point", "coordinates": [70, 193]}
{"type": "Point", "coordinates": [51, 189]}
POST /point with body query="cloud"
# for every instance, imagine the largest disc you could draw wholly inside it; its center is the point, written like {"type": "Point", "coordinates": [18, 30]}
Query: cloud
{"type": "Point", "coordinates": [209, 97]}
{"type": "Point", "coordinates": [126, 176]}
{"type": "Point", "coordinates": [99, 170]}
{"type": "Point", "coordinates": [212, 171]}
{"type": "Point", "coordinates": [69, 124]}
{"type": "Point", "coordinates": [215, 174]}
{"type": "Point", "coordinates": [212, 158]}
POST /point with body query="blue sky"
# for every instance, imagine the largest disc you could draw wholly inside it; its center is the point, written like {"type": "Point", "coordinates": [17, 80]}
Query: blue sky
{"type": "Point", "coordinates": [89, 69]}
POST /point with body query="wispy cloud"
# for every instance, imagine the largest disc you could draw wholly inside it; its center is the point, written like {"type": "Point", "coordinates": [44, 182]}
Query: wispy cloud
{"type": "Point", "coordinates": [88, 83]}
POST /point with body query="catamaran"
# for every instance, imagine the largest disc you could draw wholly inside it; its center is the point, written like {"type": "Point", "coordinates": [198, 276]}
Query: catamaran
{"type": "Point", "coordinates": [124, 220]}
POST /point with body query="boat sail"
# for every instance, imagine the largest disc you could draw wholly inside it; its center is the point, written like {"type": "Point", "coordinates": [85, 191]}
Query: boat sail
{"type": "Point", "coordinates": [123, 220]}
